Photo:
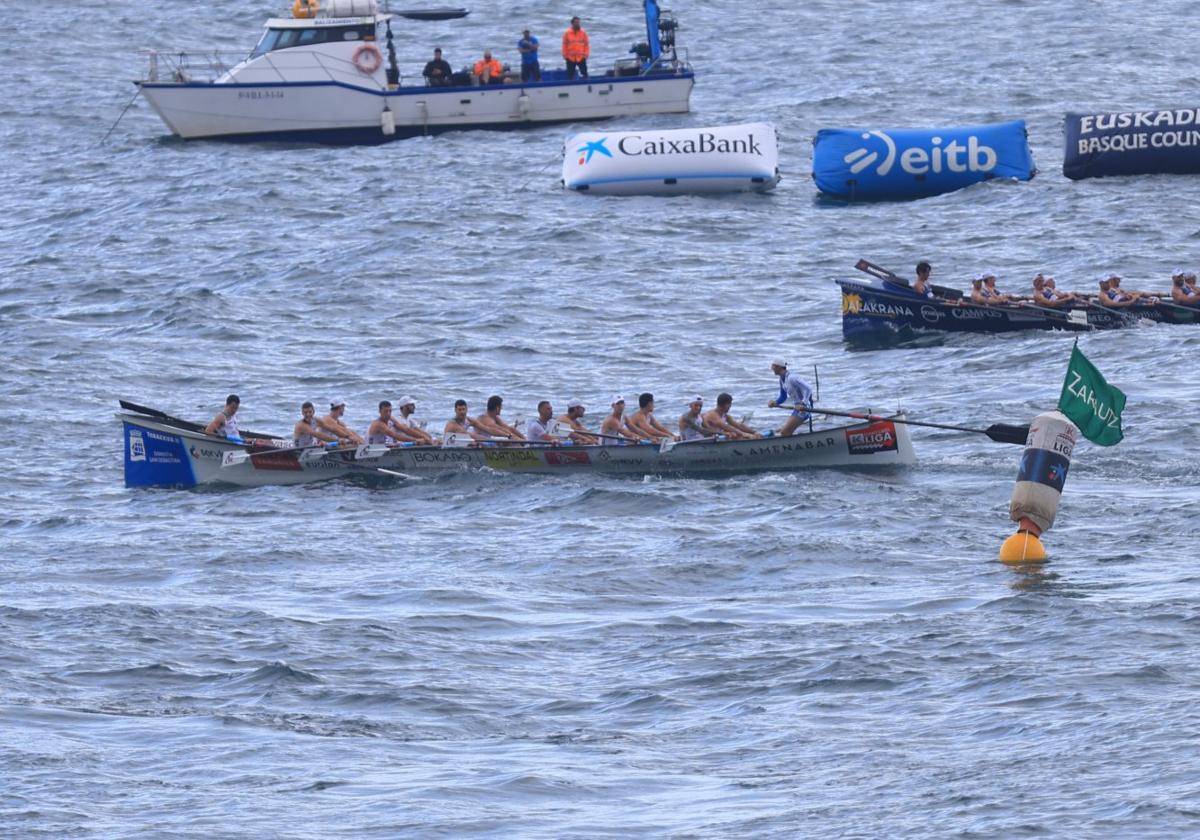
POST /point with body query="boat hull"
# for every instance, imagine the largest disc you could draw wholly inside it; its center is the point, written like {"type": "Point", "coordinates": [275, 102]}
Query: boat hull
{"type": "Point", "coordinates": [157, 454]}
{"type": "Point", "coordinates": [876, 315]}
{"type": "Point", "coordinates": [342, 113]}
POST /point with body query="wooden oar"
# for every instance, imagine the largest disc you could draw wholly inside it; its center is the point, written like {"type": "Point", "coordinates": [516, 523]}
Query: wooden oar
{"type": "Point", "coordinates": [999, 432]}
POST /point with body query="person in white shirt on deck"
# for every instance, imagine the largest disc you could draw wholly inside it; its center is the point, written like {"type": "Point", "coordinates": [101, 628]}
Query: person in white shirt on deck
{"type": "Point", "coordinates": [535, 429]}
{"type": "Point", "coordinates": [225, 423]}
{"type": "Point", "coordinates": [307, 433]}
{"type": "Point", "coordinates": [794, 393]}
{"type": "Point", "coordinates": [406, 427]}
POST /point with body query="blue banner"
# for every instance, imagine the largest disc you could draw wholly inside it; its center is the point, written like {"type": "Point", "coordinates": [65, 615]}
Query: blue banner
{"type": "Point", "coordinates": [155, 459]}
{"type": "Point", "coordinates": [860, 164]}
{"type": "Point", "coordinates": [1132, 143]}
{"type": "Point", "coordinates": [1042, 466]}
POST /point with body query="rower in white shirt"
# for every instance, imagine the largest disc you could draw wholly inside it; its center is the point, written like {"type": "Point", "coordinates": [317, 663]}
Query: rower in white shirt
{"type": "Point", "coordinates": [536, 429]}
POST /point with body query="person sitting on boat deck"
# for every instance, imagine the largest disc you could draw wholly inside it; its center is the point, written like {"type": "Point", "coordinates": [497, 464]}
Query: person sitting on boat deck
{"type": "Point", "coordinates": [307, 432]}
{"type": "Point", "coordinates": [1044, 293]}
{"type": "Point", "coordinates": [574, 419]}
{"type": "Point", "coordinates": [385, 430]}
{"type": "Point", "coordinates": [990, 295]}
{"type": "Point", "coordinates": [795, 394]}
{"type": "Point", "coordinates": [488, 70]}
{"type": "Point", "coordinates": [461, 424]}
{"type": "Point", "coordinates": [332, 423]}
{"type": "Point", "coordinates": [977, 289]}
{"type": "Point", "coordinates": [491, 423]}
{"type": "Point", "coordinates": [718, 419]}
{"type": "Point", "coordinates": [1182, 291]}
{"type": "Point", "coordinates": [437, 71]}
{"type": "Point", "coordinates": [531, 71]}
{"type": "Point", "coordinates": [1113, 298]}
{"type": "Point", "coordinates": [1114, 283]}
{"type": "Point", "coordinates": [643, 424]}
{"type": "Point", "coordinates": [613, 431]}
{"type": "Point", "coordinates": [537, 428]}
{"type": "Point", "coordinates": [922, 285]}
{"type": "Point", "coordinates": [691, 424]}
{"type": "Point", "coordinates": [575, 49]}
{"type": "Point", "coordinates": [225, 423]}
{"type": "Point", "coordinates": [416, 434]}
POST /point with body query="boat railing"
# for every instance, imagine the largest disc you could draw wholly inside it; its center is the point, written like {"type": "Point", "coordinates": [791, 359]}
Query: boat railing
{"type": "Point", "coordinates": [183, 67]}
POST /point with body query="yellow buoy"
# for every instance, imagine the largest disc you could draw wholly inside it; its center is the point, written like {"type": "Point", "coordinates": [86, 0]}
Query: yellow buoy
{"type": "Point", "coordinates": [1022, 547]}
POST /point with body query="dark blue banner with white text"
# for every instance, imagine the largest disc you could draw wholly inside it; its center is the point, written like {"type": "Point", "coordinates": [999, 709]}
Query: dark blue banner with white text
{"type": "Point", "coordinates": [1132, 143]}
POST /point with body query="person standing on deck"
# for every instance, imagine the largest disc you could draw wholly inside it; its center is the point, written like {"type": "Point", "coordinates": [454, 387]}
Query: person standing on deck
{"type": "Point", "coordinates": [794, 393]}
{"type": "Point", "coordinates": [225, 423]}
{"type": "Point", "coordinates": [531, 71]}
{"type": "Point", "coordinates": [575, 49]}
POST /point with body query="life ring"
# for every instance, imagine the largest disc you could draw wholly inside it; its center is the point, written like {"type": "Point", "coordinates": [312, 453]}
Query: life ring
{"type": "Point", "coordinates": [367, 58]}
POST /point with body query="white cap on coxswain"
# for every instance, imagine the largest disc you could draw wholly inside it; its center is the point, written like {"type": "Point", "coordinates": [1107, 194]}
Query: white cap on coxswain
{"type": "Point", "coordinates": [575, 404]}
{"type": "Point", "coordinates": [335, 403]}
{"type": "Point", "coordinates": [778, 362]}
{"type": "Point", "coordinates": [696, 399]}
{"type": "Point", "coordinates": [617, 398]}
{"type": "Point", "coordinates": [403, 401]}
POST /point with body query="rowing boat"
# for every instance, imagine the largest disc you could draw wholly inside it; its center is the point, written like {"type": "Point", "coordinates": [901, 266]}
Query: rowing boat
{"type": "Point", "coordinates": [881, 312]}
{"type": "Point", "coordinates": [163, 451]}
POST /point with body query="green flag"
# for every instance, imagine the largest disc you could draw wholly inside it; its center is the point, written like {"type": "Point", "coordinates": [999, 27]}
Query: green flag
{"type": "Point", "coordinates": [1091, 403]}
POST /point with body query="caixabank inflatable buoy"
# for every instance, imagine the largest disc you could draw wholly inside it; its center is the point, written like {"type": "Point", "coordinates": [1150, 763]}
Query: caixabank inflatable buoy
{"type": "Point", "coordinates": [718, 159]}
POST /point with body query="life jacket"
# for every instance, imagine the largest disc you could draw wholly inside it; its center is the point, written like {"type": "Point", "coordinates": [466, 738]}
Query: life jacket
{"type": "Point", "coordinates": [575, 45]}
{"type": "Point", "coordinates": [494, 66]}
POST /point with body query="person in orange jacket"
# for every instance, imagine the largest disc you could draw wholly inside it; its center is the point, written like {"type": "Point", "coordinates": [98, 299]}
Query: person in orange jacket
{"type": "Point", "coordinates": [575, 49]}
{"type": "Point", "coordinates": [488, 71]}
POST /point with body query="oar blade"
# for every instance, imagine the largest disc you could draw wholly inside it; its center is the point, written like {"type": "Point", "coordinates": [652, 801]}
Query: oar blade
{"type": "Point", "coordinates": [1008, 433]}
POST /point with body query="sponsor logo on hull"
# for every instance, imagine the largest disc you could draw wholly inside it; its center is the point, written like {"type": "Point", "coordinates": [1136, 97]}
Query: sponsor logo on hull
{"type": "Point", "coordinates": [868, 440]}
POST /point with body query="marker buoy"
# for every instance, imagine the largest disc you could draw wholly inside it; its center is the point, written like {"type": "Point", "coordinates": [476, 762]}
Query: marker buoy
{"type": "Point", "coordinates": [1039, 486]}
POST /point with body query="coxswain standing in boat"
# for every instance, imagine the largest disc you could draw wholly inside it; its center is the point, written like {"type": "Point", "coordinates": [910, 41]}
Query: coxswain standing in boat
{"type": "Point", "coordinates": [575, 49]}
{"type": "Point", "coordinates": [613, 430]}
{"type": "Point", "coordinates": [643, 424]}
{"type": "Point", "coordinates": [491, 423]}
{"type": "Point", "coordinates": [538, 427]}
{"type": "Point", "coordinates": [795, 394]}
{"type": "Point", "coordinates": [574, 418]}
{"type": "Point", "coordinates": [691, 424]}
{"type": "Point", "coordinates": [307, 432]}
{"type": "Point", "coordinates": [461, 424]}
{"type": "Point", "coordinates": [225, 423]}
{"type": "Point", "coordinates": [718, 418]}
{"type": "Point", "coordinates": [332, 424]}
{"type": "Point", "coordinates": [417, 435]}
{"type": "Point", "coordinates": [922, 286]}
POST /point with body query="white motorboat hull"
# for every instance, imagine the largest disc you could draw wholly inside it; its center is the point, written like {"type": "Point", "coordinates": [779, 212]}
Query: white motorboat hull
{"type": "Point", "coordinates": [338, 112]}
{"type": "Point", "coordinates": [157, 454]}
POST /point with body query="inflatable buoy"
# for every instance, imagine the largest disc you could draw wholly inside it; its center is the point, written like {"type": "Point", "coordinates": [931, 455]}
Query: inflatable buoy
{"type": "Point", "coordinates": [1132, 143]}
{"type": "Point", "coordinates": [367, 58]}
{"type": "Point", "coordinates": [1039, 486]}
{"type": "Point", "coordinates": [857, 164]}
{"type": "Point", "coordinates": [728, 158]}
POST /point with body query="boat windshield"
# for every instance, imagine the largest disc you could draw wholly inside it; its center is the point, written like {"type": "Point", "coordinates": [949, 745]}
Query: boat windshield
{"type": "Point", "coordinates": [281, 39]}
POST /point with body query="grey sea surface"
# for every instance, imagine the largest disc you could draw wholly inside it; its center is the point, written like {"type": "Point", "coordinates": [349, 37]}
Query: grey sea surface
{"type": "Point", "coordinates": [826, 653]}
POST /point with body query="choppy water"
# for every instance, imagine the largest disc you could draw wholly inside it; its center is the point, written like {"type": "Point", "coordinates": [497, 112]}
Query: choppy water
{"type": "Point", "coordinates": [823, 653]}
